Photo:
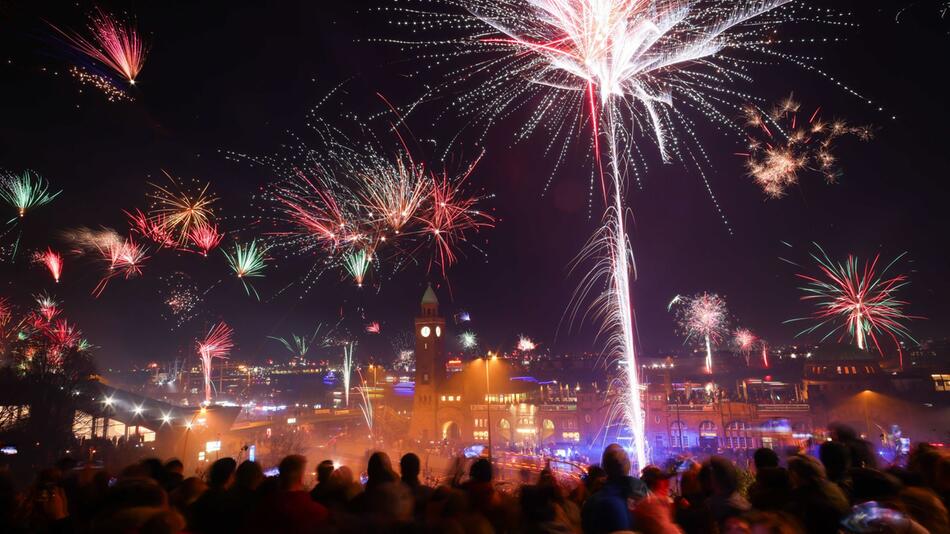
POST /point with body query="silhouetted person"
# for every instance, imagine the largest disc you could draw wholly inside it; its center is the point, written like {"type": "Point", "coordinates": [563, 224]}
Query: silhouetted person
{"type": "Point", "coordinates": [242, 496]}
{"type": "Point", "coordinates": [205, 514]}
{"type": "Point", "coordinates": [720, 479]}
{"type": "Point", "coordinates": [836, 458]}
{"type": "Point", "coordinates": [173, 475]}
{"type": "Point", "coordinates": [409, 468]}
{"type": "Point", "coordinates": [816, 502]}
{"type": "Point", "coordinates": [321, 489]}
{"type": "Point", "coordinates": [290, 509]}
{"type": "Point", "coordinates": [860, 451]}
{"type": "Point", "coordinates": [764, 457]}
{"type": "Point", "coordinates": [771, 489]}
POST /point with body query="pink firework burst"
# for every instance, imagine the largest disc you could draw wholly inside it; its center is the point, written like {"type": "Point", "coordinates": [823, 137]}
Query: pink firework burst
{"type": "Point", "coordinates": [217, 344]}
{"type": "Point", "coordinates": [702, 318]}
{"type": "Point", "coordinates": [206, 237]}
{"type": "Point", "coordinates": [153, 228]}
{"type": "Point", "coordinates": [451, 216]}
{"type": "Point", "coordinates": [52, 260]}
{"type": "Point", "coordinates": [125, 258]}
{"type": "Point", "coordinates": [113, 43]}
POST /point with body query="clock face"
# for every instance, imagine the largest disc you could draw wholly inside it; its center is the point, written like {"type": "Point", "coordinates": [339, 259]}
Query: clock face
{"type": "Point", "coordinates": [425, 331]}
{"type": "Point", "coordinates": [438, 331]}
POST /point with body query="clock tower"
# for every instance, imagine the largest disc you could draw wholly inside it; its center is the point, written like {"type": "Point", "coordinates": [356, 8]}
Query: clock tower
{"type": "Point", "coordinates": [430, 340]}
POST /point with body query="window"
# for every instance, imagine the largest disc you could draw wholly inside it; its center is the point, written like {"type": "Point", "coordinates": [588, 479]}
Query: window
{"type": "Point", "coordinates": [737, 435]}
{"type": "Point", "coordinates": [678, 439]}
{"type": "Point", "coordinates": [941, 382]}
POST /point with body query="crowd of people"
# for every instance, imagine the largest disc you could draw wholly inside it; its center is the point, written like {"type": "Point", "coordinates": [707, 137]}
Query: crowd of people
{"type": "Point", "coordinates": [842, 490]}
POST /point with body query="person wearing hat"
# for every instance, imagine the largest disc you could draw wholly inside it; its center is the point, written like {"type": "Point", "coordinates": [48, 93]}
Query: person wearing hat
{"type": "Point", "coordinates": [654, 513]}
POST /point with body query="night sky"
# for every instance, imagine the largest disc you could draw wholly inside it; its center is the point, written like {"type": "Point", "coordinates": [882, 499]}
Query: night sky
{"type": "Point", "coordinates": [238, 76]}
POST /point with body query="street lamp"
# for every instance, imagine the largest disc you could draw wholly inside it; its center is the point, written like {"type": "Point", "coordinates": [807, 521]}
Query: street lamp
{"type": "Point", "coordinates": [488, 400]}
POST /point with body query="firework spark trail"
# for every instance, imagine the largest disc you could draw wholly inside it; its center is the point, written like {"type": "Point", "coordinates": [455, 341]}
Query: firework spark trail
{"type": "Point", "coordinates": [366, 405]}
{"type": "Point", "coordinates": [205, 237]}
{"type": "Point", "coordinates": [347, 372]}
{"type": "Point", "coordinates": [299, 346]}
{"type": "Point", "coordinates": [101, 83]}
{"type": "Point", "coordinates": [217, 344]}
{"type": "Point", "coordinates": [781, 146]}
{"type": "Point", "coordinates": [247, 261]}
{"type": "Point", "coordinates": [52, 260]}
{"type": "Point", "coordinates": [623, 67]}
{"type": "Point", "coordinates": [704, 318]}
{"type": "Point", "coordinates": [114, 43]}
{"type": "Point", "coordinates": [47, 306]}
{"type": "Point", "coordinates": [857, 301]}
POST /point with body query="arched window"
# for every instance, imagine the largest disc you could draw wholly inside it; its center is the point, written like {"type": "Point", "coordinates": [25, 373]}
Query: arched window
{"type": "Point", "coordinates": [678, 437]}
{"type": "Point", "coordinates": [708, 436]}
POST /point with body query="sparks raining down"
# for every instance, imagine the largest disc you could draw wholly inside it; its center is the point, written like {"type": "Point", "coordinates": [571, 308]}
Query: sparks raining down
{"type": "Point", "coordinates": [25, 191]}
{"type": "Point", "coordinates": [217, 344]}
{"type": "Point", "coordinates": [124, 258]}
{"type": "Point", "coordinates": [357, 265]}
{"type": "Point", "coordinates": [782, 145]}
{"type": "Point", "coordinates": [114, 43]}
{"type": "Point", "coordinates": [744, 341]}
{"type": "Point", "coordinates": [702, 318]}
{"type": "Point", "coordinates": [525, 344]}
{"type": "Point", "coordinates": [366, 406]}
{"type": "Point", "coordinates": [347, 372]}
{"type": "Point", "coordinates": [181, 209]}
{"type": "Point", "coordinates": [205, 237]}
{"type": "Point", "coordinates": [100, 83]}
{"type": "Point", "coordinates": [182, 298]}
{"type": "Point", "coordinates": [247, 261]}
{"type": "Point", "coordinates": [857, 301]}
{"type": "Point", "coordinates": [619, 66]}
{"type": "Point", "coordinates": [468, 340]}
{"type": "Point", "coordinates": [52, 260]}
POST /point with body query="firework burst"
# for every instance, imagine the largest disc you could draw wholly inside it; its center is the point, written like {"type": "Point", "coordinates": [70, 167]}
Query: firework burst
{"type": "Point", "coordinates": [782, 145]}
{"type": "Point", "coordinates": [299, 346]}
{"type": "Point", "coordinates": [114, 43]}
{"type": "Point", "coordinates": [357, 265]}
{"type": "Point", "coordinates": [248, 261]}
{"type": "Point", "coordinates": [618, 68]}
{"type": "Point", "coordinates": [124, 258]}
{"type": "Point", "coordinates": [25, 191]}
{"type": "Point", "coordinates": [181, 209]}
{"type": "Point", "coordinates": [744, 341]}
{"type": "Point", "coordinates": [205, 237]}
{"type": "Point", "coordinates": [52, 260]}
{"type": "Point", "coordinates": [353, 203]}
{"type": "Point", "coordinates": [468, 340]}
{"type": "Point", "coordinates": [217, 344]}
{"type": "Point", "coordinates": [525, 344]}
{"type": "Point", "coordinates": [857, 301]}
{"type": "Point", "coordinates": [702, 318]}
{"type": "Point", "coordinates": [154, 229]}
